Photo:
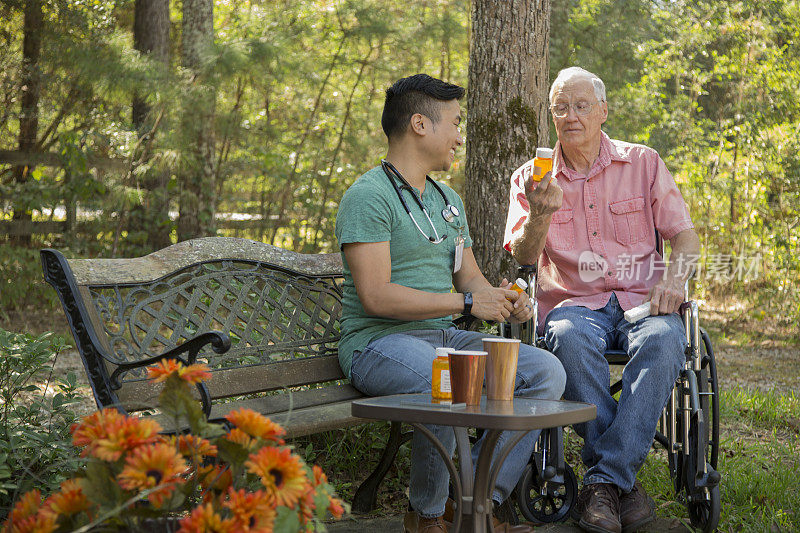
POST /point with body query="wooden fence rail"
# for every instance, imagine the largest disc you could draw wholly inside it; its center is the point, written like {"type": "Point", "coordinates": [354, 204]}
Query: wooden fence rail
{"type": "Point", "coordinates": [52, 159]}
{"type": "Point", "coordinates": [18, 228]}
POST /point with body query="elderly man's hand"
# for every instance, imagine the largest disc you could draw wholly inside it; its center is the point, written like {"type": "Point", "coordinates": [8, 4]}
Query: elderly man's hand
{"type": "Point", "coordinates": [544, 198]}
{"type": "Point", "coordinates": [667, 296]}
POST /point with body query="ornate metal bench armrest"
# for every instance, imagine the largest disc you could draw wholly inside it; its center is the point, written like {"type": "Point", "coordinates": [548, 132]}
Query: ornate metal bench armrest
{"type": "Point", "coordinates": [220, 343]}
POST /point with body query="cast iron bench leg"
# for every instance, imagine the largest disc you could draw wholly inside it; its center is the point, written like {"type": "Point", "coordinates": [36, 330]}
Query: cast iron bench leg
{"type": "Point", "coordinates": [367, 493]}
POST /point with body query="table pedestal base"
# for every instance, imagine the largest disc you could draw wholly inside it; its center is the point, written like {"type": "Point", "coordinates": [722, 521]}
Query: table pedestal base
{"type": "Point", "coordinates": [473, 494]}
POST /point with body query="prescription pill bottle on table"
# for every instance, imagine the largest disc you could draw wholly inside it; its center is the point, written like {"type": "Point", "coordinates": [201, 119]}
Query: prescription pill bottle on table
{"type": "Point", "coordinates": [440, 380]}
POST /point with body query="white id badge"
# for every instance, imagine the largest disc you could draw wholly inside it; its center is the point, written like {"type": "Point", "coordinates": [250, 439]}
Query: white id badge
{"type": "Point", "coordinates": [459, 253]}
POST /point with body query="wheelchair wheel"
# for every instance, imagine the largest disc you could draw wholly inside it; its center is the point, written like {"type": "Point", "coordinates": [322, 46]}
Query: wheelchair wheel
{"type": "Point", "coordinates": [710, 362]}
{"type": "Point", "coordinates": [704, 514]}
{"type": "Point", "coordinates": [703, 498]}
{"type": "Point", "coordinates": [555, 505]}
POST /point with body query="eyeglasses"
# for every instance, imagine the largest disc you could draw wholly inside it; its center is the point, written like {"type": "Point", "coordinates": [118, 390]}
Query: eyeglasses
{"type": "Point", "coordinates": [581, 108]}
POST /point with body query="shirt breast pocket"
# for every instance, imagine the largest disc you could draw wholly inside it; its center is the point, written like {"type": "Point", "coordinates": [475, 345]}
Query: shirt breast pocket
{"type": "Point", "coordinates": [630, 223]}
{"type": "Point", "coordinates": [561, 235]}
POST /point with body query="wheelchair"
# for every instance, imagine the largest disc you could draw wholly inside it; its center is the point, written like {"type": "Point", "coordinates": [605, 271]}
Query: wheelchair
{"type": "Point", "coordinates": [688, 430]}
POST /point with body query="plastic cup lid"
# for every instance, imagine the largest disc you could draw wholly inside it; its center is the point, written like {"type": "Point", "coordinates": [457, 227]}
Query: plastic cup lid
{"type": "Point", "coordinates": [499, 339]}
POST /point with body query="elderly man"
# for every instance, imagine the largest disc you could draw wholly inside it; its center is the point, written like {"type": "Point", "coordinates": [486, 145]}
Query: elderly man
{"type": "Point", "coordinates": [591, 226]}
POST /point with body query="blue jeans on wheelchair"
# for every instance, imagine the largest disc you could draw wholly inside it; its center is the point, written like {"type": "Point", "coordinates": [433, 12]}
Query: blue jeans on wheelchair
{"type": "Point", "coordinates": [401, 363]}
{"type": "Point", "coordinates": [616, 443]}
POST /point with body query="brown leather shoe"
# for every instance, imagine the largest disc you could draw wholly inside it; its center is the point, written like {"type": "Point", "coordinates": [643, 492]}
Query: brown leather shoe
{"type": "Point", "coordinates": [636, 509]}
{"type": "Point", "coordinates": [598, 504]}
{"type": "Point", "coordinates": [413, 523]}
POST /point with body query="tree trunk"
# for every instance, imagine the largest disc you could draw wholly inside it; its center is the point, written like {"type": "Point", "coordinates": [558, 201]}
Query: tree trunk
{"type": "Point", "coordinates": [507, 116]}
{"type": "Point", "coordinates": [197, 202]}
{"type": "Point", "coordinates": [29, 108]}
{"type": "Point", "coordinates": [151, 217]}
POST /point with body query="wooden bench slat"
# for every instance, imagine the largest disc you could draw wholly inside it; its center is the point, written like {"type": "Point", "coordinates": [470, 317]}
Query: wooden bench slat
{"type": "Point", "coordinates": [297, 422]}
{"type": "Point", "coordinates": [289, 401]}
{"type": "Point", "coordinates": [233, 382]}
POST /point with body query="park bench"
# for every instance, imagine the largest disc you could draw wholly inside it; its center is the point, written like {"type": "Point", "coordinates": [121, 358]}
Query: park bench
{"type": "Point", "coordinates": [266, 320]}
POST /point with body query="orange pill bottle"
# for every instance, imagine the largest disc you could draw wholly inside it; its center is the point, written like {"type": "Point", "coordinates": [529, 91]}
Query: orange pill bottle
{"type": "Point", "coordinates": [440, 381]}
{"type": "Point", "coordinates": [543, 163]}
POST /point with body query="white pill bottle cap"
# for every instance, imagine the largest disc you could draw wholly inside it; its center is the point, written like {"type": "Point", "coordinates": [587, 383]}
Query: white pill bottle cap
{"type": "Point", "coordinates": [443, 352]}
{"type": "Point", "coordinates": [544, 153]}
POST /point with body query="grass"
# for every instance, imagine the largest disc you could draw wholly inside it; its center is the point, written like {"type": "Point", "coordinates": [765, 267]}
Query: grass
{"type": "Point", "coordinates": [759, 461]}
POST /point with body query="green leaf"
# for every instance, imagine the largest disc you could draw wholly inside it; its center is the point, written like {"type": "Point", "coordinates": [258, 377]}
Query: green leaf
{"type": "Point", "coordinates": [286, 521]}
{"type": "Point", "coordinates": [100, 486]}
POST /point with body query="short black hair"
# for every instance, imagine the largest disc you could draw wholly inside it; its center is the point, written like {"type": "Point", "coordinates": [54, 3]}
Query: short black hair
{"type": "Point", "coordinates": [419, 93]}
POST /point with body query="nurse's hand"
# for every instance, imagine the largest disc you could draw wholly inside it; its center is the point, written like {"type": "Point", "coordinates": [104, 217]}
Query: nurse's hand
{"type": "Point", "coordinates": [494, 304]}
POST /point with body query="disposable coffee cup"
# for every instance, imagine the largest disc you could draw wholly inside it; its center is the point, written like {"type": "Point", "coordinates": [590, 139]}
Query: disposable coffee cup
{"type": "Point", "coordinates": [501, 367]}
{"type": "Point", "coordinates": [467, 370]}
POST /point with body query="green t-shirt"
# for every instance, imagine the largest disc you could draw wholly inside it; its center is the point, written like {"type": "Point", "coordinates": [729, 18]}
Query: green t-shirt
{"type": "Point", "coordinates": [370, 211]}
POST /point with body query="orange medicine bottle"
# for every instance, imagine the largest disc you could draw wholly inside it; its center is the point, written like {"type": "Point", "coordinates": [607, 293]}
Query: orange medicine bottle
{"type": "Point", "coordinates": [543, 163]}
{"type": "Point", "coordinates": [520, 285]}
{"type": "Point", "coordinates": [440, 381]}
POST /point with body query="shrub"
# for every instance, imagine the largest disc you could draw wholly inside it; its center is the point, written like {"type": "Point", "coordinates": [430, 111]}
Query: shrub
{"type": "Point", "coordinates": [34, 418]}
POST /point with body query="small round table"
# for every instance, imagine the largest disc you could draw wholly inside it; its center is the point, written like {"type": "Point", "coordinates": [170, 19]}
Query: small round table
{"type": "Point", "coordinates": [521, 415]}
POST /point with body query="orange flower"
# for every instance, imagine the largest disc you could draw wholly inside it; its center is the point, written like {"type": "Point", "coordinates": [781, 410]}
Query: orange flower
{"type": "Point", "coordinates": [152, 466]}
{"type": "Point", "coordinates": [94, 426]}
{"type": "Point", "coordinates": [68, 501]}
{"type": "Point", "coordinates": [335, 508]}
{"type": "Point", "coordinates": [126, 437]}
{"type": "Point", "coordinates": [194, 447]}
{"type": "Point", "coordinates": [190, 374]}
{"type": "Point", "coordinates": [26, 517]}
{"type": "Point", "coordinates": [39, 523]}
{"type": "Point", "coordinates": [241, 438]}
{"type": "Point", "coordinates": [253, 511]}
{"type": "Point", "coordinates": [307, 505]}
{"type": "Point", "coordinates": [215, 480]}
{"type": "Point", "coordinates": [319, 476]}
{"type": "Point", "coordinates": [27, 505]}
{"type": "Point", "coordinates": [255, 425]}
{"type": "Point", "coordinates": [107, 434]}
{"type": "Point", "coordinates": [281, 473]}
{"type": "Point", "coordinates": [205, 520]}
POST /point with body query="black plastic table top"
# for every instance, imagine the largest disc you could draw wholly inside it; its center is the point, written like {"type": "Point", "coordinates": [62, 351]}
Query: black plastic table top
{"type": "Point", "coordinates": [518, 414]}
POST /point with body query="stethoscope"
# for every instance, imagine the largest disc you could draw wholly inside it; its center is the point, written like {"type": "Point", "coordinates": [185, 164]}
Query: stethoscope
{"type": "Point", "coordinates": [449, 213]}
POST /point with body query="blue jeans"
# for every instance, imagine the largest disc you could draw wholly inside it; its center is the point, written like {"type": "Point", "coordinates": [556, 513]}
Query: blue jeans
{"type": "Point", "coordinates": [401, 363]}
{"type": "Point", "coordinates": [618, 440]}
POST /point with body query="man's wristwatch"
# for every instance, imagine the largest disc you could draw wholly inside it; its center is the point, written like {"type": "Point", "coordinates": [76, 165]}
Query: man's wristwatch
{"type": "Point", "coordinates": [467, 303]}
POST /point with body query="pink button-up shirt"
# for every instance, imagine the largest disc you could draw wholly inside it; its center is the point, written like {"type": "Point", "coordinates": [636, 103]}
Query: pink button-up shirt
{"type": "Point", "coordinates": [602, 240]}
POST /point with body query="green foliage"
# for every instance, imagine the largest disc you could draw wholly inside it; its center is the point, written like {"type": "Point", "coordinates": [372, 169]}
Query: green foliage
{"type": "Point", "coordinates": [35, 416]}
{"type": "Point", "coordinates": [714, 86]}
{"type": "Point", "coordinates": [21, 282]}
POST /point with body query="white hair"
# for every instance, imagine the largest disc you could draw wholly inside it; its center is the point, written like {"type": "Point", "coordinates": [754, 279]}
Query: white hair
{"type": "Point", "coordinates": [568, 74]}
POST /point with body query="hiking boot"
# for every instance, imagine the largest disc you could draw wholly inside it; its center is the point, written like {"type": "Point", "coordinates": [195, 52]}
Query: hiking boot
{"type": "Point", "coordinates": [413, 523]}
{"type": "Point", "coordinates": [598, 505]}
{"type": "Point", "coordinates": [636, 509]}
